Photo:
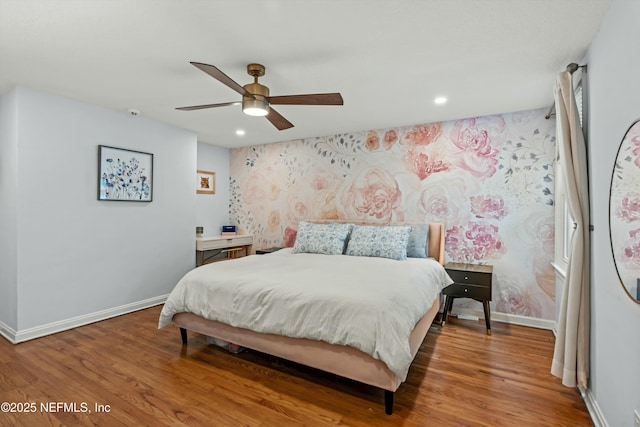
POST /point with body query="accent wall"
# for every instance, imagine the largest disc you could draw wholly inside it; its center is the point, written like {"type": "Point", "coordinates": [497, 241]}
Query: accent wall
{"type": "Point", "coordinates": [488, 179]}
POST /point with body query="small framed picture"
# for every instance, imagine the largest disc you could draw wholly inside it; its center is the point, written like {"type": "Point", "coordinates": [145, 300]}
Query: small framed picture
{"type": "Point", "coordinates": [124, 175]}
{"type": "Point", "coordinates": [206, 182]}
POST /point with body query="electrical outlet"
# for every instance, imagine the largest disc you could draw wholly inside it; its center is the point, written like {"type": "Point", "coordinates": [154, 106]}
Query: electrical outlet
{"type": "Point", "coordinates": [636, 419]}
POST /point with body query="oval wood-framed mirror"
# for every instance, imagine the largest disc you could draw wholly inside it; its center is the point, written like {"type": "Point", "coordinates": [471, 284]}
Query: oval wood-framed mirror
{"type": "Point", "coordinates": [624, 212]}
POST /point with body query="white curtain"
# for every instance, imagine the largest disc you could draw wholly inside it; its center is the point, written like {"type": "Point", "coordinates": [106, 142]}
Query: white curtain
{"type": "Point", "coordinates": [571, 353]}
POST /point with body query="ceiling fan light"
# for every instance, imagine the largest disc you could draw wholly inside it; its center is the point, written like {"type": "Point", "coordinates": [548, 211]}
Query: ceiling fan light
{"type": "Point", "coordinates": [255, 106]}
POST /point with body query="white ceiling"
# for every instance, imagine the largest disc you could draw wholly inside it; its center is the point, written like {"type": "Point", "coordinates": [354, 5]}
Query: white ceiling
{"type": "Point", "coordinates": [389, 59]}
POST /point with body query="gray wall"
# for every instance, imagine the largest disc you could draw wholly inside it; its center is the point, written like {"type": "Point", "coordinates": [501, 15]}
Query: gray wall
{"type": "Point", "coordinates": [69, 254]}
{"type": "Point", "coordinates": [8, 213]}
{"type": "Point", "coordinates": [614, 103]}
{"type": "Point", "coordinates": [213, 209]}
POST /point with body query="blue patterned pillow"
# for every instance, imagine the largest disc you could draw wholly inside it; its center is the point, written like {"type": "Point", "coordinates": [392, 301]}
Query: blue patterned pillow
{"type": "Point", "coordinates": [417, 245]}
{"type": "Point", "coordinates": [325, 239]}
{"type": "Point", "coordinates": [383, 242]}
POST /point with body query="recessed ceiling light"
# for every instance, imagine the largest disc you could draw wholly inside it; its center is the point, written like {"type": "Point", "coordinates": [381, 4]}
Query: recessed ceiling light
{"type": "Point", "coordinates": [440, 100]}
{"type": "Point", "coordinates": [240, 132]}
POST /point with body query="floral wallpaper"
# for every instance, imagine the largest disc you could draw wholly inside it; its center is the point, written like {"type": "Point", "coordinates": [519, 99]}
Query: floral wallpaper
{"type": "Point", "coordinates": [625, 210]}
{"type": "Point", "coordinates": [488, 179]}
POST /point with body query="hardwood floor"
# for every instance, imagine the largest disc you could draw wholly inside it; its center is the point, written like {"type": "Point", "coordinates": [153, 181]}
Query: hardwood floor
{"type": "Point", "coordinates": [124, 371]}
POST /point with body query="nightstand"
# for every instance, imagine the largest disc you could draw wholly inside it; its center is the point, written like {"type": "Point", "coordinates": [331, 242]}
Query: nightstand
{"type": "Point", "coordinates": [267, 250]}
{"type": "Point", "coordinates": [469, 281]}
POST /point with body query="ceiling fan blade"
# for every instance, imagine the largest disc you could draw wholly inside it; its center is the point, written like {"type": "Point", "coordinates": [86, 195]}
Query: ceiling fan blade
{"type": "Point", "coordinates": [308, 99]}
{"type": "Point", "coordinates": [277, 120]}
{"type": "Point", "coordinates": [202, 107]}
{"type": "Point", "coordinates": [221, 77]}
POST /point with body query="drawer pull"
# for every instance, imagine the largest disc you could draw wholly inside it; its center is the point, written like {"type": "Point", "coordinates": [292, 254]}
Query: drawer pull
{"type": "Point", "coordinates": [466, 277]}
{"type": "Point", "coordinates": [466, 290]}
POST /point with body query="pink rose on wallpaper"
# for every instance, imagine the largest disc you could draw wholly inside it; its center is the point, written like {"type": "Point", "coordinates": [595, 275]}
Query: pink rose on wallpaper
{"type": "Point", "coordinates": [478, 164]}
{"type": "Point", "coordinates": [456, 245]}
{"type": "Point", "coordinates": [273, 222]}
{"type": "Point", "coordinates": [423, 134]}
{"type": "Point", "coordinates": [488, 207]}
{"type": "Point", "coordinates": [436, 205]}
{"type": "Point", "coordinates": [467, 136]}
{"type": "Point", "coordinates": [635, 140]}
{"type": "Point", "coordinates": [298, 210]}
{"type": "Point", "coordinates": [484, 237]}
{"type": "Point", "coordinates": [477, 133]}
{"type": "Point", "coordinates": [631, 251]}
{"type": "Point", "coordinates": [289, 237]}
{"type": "Point", "coordinates": [259, 186]}
{"type": "Point", "coordinates": [312, 196]}
{"type": "Point", "coordinates": [322, 179]}
{"type": "Point", "coordinates": [439, 198]}
{"type": "Point", "coordinates": [520, 302]}
{"type": "Point", "coordinates": [629, 209]}
{"type": "Point", "coordinates": [373, 142]}
{"type": "Point", "coordinates": [311, 204]}
{"type": "Point", "coordinates": [474, 139]}
{"type": "Point", "coordinates": [546, 236]}
{"type": "Point", "coordinates": [320, 205]}
{"type": "Point", "coordinates": [374, 193]}
{"type": "Point", "coordinates": [326, 206]}
{"type": "Point", "coordinates": [297, 205]}
{"type": "Point", "coordinates": [478, 241]}
{"type": "Point", "coordinates": [390, 137]}
{"type": "Point", "coordinates": [541, 230]}
{"type": "Point", "coordinates": [423, 166]}
{"type": "Point", "coordinates": [253, 188]}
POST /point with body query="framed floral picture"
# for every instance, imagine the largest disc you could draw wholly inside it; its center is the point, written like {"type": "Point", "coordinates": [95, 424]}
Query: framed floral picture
{"type": "Point", "coordinates": [124, 175]}
{"type": "Point", "coordinates": [205, 182]}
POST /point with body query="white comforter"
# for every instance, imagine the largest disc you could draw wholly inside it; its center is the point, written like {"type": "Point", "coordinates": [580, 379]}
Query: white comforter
{"type": "Point", "coordinates": [371, 304]}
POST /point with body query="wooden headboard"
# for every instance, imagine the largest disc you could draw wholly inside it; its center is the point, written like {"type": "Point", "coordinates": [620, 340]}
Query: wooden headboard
{"type": "Point", "coordinates": [435, 244]}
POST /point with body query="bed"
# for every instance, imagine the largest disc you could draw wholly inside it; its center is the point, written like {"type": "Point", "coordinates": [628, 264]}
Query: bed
{"type": "Point", "coordinates": [349, 304]}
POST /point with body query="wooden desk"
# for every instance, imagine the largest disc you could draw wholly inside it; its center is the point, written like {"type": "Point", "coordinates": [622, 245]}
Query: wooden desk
{"type": "Point", "coordinates": [232, 246]}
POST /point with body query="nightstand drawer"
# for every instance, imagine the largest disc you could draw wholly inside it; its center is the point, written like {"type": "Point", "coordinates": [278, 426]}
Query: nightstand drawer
{"type": "Point", "coordinates": [459, 290]}
{"type": "Point", "coordinates": [470, 277]}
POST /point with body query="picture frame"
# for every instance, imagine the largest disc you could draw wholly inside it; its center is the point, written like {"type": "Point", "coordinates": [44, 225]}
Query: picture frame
{"type": "Point", "coordinates": [205, 182]}
{"type": "Point", "coordinates": [124, 175]}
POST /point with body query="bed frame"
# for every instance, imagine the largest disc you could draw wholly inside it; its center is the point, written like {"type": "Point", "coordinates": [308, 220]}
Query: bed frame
{"type": "Point", "coordinates": [341, 360]}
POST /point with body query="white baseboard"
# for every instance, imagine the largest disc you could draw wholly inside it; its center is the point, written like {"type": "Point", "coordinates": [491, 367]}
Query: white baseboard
{"type": "Point", "coordinates": [513, 319]}
{"type": "Point", "coordinates": [8, 332]}
{"type": "Point", "coordinates": [16, 337]}
{"type": "Point", "coordinates": [592, 406]}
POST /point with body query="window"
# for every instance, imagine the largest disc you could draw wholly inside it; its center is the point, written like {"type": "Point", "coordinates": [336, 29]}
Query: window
{"type": "Point", "coordinates": [564, 223]}
{"type": "Point", "coordinates": [563, 219]}
{"type": "Point", "coordinates": [577, 92]}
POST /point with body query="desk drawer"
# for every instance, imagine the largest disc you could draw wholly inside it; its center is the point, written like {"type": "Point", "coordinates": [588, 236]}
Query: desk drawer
{"type": "Point", "coordinates": [205, 244]}
{"type": "Point", "coordinates": [460, 290]}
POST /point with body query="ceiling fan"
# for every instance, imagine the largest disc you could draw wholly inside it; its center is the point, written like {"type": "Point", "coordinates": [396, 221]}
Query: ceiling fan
{"type": "Point", "coordinates": [255, 97]}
